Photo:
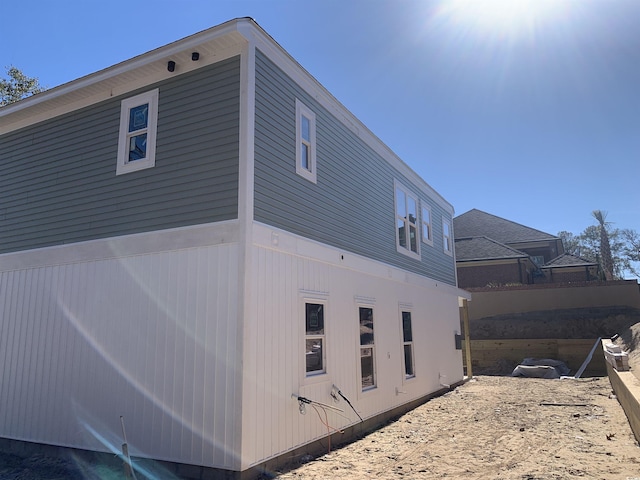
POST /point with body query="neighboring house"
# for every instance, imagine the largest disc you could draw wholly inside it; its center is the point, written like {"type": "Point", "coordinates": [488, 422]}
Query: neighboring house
{"type": "Point", "coordinates": [482, 261]}
{"type": "Point", "coordinates": [190, 237]}
{"type": "Point", "coordinates": [491, 250]}
{"type": "Point", "coordinates": [570, 268]}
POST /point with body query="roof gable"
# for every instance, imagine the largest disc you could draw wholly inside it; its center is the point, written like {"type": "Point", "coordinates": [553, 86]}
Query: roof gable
{"type": "Point", "coordinates": [568, 260]}
{"type": "Point", "coordinates": [476, 223]}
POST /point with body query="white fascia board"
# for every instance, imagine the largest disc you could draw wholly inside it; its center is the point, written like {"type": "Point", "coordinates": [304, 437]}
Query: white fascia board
{"type": "Point", "coordinates": [315, 89]}
{"type": "Point", "coordinates": [121, 78]}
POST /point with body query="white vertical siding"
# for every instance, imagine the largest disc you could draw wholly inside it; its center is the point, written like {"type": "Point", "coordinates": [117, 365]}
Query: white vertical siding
{"type": "Point", "coordinates": [152, 337]}
{"type": "Point", "coordinates": [284, 274]}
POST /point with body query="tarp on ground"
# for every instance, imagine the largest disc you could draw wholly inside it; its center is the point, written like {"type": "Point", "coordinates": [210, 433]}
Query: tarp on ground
{"type": "Point", "coordinates": [541, 368]}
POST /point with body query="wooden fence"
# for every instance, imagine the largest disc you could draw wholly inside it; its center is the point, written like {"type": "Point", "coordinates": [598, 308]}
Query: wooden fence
{"type": "Point", "coordinates": [502, 356]}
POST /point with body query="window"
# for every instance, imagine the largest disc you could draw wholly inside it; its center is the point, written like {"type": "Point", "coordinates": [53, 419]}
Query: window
{"type": "Point", "coordinates": [446, 237]}
{"type": "Point", "coordinates": [538, 260]}
{"type": "Point", "coordinates": [137, 140]}
{"type": "Point", "coordinates": [407, 342]}
{"type": "Point", "coordinates": [427, 234]}
{"type": "Point", "coordinates": [305, 142]}
{"type": "Point", "coordinates": [367, 349]}
{"type": "Point", "coordinates": [314, 339]}
{"type": "Point", "coordinates": [406, 222]}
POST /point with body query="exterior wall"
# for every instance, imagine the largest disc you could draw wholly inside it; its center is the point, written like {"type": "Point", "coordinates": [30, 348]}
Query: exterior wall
{"type": "Point", "coordinates": [286, 271]}
{"type": "Point", "coordinates": [480, 276]}
{"type": "Point", "coordinates": [58, 183]}
{"type": "Point", "coordinates": [352, 205]}
{"type": "Point", "coordinates": [498, 301]}
{"type": "Point", "coordinates": [144, 296]}
{"type": "Point", "coordinates": [143, 327]}
{"type": "Point", "coordinates": [566, 275]}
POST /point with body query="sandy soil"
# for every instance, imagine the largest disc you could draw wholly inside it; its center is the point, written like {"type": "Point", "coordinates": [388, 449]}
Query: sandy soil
{"type": "Point", "coordinates": [496, 428]}
{"type": "Point", "coordinates": [499, 428]}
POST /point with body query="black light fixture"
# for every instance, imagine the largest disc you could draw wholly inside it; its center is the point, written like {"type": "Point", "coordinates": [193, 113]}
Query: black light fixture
{"type": "Point", "coordinates": [195, 56]}
{"type": "Point", "coordinates": [171, 65]}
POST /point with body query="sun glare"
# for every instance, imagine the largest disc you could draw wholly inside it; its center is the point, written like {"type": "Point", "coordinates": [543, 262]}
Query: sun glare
{"type": "Point", "coordinates": [501, 16]}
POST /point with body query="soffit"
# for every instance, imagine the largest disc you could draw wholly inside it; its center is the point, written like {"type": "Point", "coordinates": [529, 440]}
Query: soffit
{"type": "Point", "coordinates": [213, 45]}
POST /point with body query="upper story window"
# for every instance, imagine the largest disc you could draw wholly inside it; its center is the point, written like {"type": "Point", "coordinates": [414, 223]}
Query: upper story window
{"type": "Point", "coordinates": [447, 239]}
{"type": "Point", "coordinates": [305, 142]}
{"type": "Point", "coordinates": [427, 226]}
{"type": "Point", "coordinates": [406, 222]}
{"type": "Point", "coordinates": [137, 140]}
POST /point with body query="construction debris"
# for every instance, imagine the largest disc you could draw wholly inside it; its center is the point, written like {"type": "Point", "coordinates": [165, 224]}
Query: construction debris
{"type": "Point", "coordinates": [616, 357]}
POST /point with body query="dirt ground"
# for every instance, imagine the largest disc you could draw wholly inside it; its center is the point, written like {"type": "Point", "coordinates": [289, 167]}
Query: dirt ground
{"type": "Point", "coordinates": [492, 427]}
{"type": "Point", "coordinates": [500, 428]}
{"type": "Point", "coordinates": [496, 428]}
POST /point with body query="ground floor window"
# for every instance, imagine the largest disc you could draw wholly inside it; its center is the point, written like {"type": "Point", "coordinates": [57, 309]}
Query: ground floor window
{"type": "Point", "coordinates": [367, 349]}
{"type": "Point", "coordinates": [314, 339]}
{"type": "Point", "coordinates": [407, 342]}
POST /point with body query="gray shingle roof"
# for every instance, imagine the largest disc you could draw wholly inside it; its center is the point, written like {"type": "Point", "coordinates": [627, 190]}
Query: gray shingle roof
{"type": "Point", "coordinates": [476, 223]}
{"type": "Point", "coordinates": [568, 260]}
{"type": "Point", "coordinates": [483, 248]}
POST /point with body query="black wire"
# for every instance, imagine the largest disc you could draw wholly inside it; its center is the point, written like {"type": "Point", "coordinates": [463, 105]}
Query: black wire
{"type": "Point", "coordinates": [347, 400]}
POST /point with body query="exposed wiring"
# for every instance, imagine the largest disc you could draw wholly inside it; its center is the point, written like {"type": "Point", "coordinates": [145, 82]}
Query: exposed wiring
{"type": "Point", "coordinates": [303, 402]}
{"type": "Point", "coordinates": [325, 422]}
{"type": "Point", "coordinates": [347, 400]}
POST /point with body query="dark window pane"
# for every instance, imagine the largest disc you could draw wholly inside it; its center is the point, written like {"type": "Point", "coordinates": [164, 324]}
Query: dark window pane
{"type": "Point", "coordinates": [401, 235]}
{"type": "Point", "coordinates": [314, 355]}
{"type": "Point", "coordinates": [366, 365]}
{"type": "Point", "coordinates": [314, 319]}
{"type": "Point", "coordinates": [138, 147]}
{"type": "Point", "coordinates": [304, 156]}
{"type": "Point", "coordinates": [408, 360]}
{"type": "Point", "coordinates": [406, 327]}
{"type": "Point", "coordinates": [138, 117]}
{"type": "Point", "coordinates": [413, 237]}
{"type": "Point", "coordinates": [366, 326]}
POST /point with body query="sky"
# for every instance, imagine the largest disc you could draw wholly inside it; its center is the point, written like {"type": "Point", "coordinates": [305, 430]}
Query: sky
{"type": "Point", "coordinates": [525, 109]}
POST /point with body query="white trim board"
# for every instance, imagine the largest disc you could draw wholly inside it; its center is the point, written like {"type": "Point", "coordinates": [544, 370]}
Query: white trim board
{"type": "Point", "coordinates": [114, 247]}
{"type": "Point", "coordinates": [299, 246]}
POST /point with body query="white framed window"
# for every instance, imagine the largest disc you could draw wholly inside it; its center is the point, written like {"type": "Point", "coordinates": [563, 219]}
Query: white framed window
{"type": "Point", "coordinates": [137, 138]}
{"type": "Point", "coordinates": [315, 338]}
{"type": "Point", "coordinates": [447, 238]}
{"type": "Point", "coordinates": [305, 142]}
{"type": "Point", "coordinates": [407, 345]}
{"type": "Point", "coordinates": [406, 222]}
{"type": "Point", "coordinates": [427, 225]}
{"type": "Point", "coordinates": [367, 349]}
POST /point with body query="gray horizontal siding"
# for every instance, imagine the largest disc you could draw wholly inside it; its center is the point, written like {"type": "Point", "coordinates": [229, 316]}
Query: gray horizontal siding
{"type": "Point", "coordinates": [352, 205]}
{"type": "Point", "coordinates": [58, 181]}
